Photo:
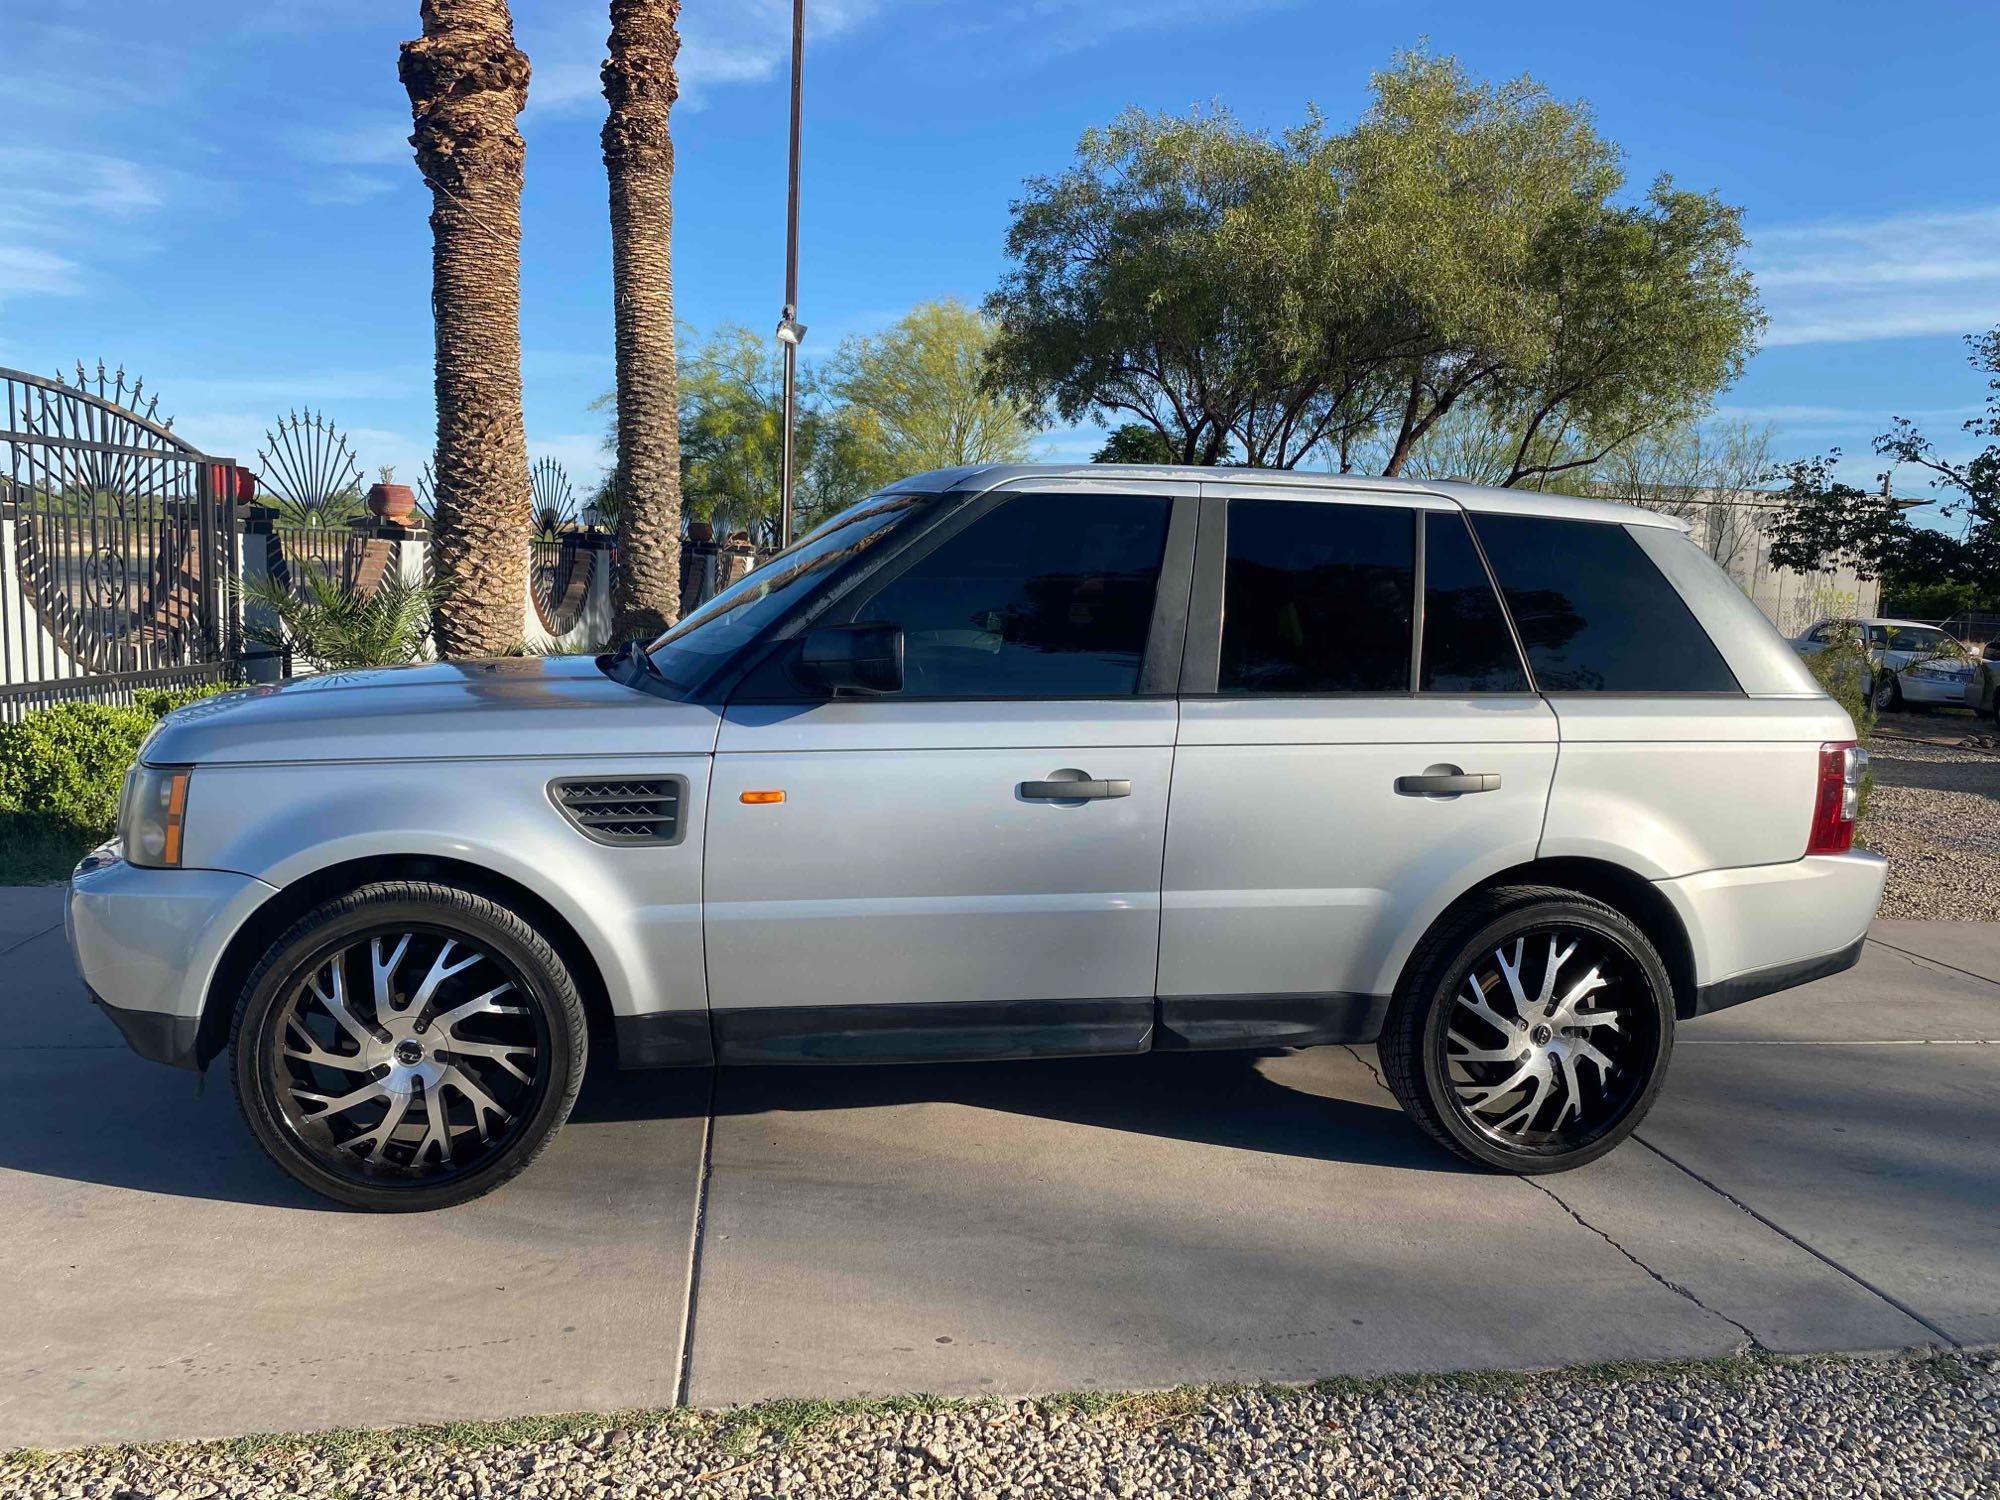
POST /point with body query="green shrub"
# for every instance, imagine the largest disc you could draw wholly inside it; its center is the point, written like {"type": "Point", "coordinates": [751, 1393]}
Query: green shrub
{"type": "Point", "coordinates": [61, 770]}
{"type": "Point", "coordinates": [1843, 670]}
{"type": "Point", "coordinates": [66, 764]}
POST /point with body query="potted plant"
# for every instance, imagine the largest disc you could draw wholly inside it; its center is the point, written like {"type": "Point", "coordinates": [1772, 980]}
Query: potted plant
{"type": "Point", "coordinates": [391, 502]}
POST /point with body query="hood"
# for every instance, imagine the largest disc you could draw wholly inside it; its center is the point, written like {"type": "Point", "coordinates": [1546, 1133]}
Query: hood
{"type": "Point", "coordinates": [514, 706]}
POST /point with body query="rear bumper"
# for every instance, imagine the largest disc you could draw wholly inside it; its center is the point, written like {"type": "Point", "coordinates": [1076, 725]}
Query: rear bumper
{"type": "Point", "coordinates": [1734, 991]}
{"type": "Point", "coordinates": [147, 942]}
{"type": "Point", "coordinates": [1763, 928]}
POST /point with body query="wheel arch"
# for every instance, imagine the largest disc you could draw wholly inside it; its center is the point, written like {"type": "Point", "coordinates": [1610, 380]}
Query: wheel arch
{"type": "Point", "coordinates": [293, 901]}
{"type": "Point", "coordinates": [1622, 889]}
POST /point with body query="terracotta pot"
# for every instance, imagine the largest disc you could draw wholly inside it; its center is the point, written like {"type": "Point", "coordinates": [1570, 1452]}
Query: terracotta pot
{"type": "Point", "coordinates": [394, 503]}
{"type": "Point", "coordinates": [701, 531]}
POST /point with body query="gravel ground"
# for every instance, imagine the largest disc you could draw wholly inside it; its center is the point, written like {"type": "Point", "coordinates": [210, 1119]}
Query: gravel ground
{"type": "Point", "coordinates": [1935, 811]}
{"type": "Point", "coordinates": [1819, 1428]}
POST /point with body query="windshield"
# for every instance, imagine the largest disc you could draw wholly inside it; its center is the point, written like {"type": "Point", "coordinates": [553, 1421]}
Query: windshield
{"type": "Point", "coordinates": [686, 653]}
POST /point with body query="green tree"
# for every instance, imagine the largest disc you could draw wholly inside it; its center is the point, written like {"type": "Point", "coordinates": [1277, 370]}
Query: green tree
{"type": "Point", "coordinates": [1971, 488]}
{"type": "Point", "coordinates": [916, 393]}
{"type": "Point", "coordinates": [1254, 298]}
{"type": "Point", "coordinates": [1134, 443]}
{"type": "Point", "coordinates": [1828, 523]}
{"type": "Point", "coordinates": [731, 408]}
{"type": "Point", "coordinates": [1139, 281]}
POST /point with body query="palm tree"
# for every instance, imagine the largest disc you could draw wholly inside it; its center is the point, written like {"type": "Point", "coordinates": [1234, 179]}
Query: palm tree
{"type": "Point", "coordinates": [467, 81]}
{"type": "Point", "coordinates": [640, 88]}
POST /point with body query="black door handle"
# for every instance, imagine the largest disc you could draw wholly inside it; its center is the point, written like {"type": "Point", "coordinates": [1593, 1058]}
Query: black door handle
{"type": "Point", "coordinates": [1451, 783]}
{"type": "Point", "coordinates": [1074, 786]}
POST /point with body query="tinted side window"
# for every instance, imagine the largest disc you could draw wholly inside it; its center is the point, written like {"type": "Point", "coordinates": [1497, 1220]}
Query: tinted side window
{"type": "Point", "coordinates": [1467, 646]}
{"type": "Point", "coordinates": [1045, 596]}
{"type": "Point", "coordinates": [1594, 613]}
{"type": "Point", "coordinates": [1316, 598]}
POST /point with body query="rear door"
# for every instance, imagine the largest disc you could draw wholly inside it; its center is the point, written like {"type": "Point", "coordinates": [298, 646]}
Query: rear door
{"type": "Point", "coordinates": [925, 888]}
{"type": "Point", "coordinates": [1358, 743]}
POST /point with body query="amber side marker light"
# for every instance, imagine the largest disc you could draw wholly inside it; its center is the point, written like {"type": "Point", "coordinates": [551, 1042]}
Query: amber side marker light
{"type": "Point", "coordinates": [759, 799]}
{"type": "Point", "coordinates": [176, 817]}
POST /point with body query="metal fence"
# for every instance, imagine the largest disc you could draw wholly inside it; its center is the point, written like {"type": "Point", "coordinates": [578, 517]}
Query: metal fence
{"type": "Point", "coordinates": [119, 548]}
{"type": "Point", "coordinates": [559, 572]}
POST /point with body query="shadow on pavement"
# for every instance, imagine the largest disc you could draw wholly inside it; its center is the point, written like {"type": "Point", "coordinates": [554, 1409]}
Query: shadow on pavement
{"type": "Point", "coordinates": [99, 1115]}
{"type": "Point", "coordinates": [1216, 1099]}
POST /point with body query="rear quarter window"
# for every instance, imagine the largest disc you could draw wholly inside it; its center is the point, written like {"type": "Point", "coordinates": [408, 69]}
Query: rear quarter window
{"type": "Point", "coordinates": [1594, 613]}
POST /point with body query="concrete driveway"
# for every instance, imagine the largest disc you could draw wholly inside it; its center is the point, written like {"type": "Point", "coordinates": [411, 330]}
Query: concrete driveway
{"type": "Point", "coordinates": [1819, 1174]}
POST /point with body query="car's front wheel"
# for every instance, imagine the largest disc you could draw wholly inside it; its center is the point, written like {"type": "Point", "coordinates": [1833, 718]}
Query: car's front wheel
{"type": "Point", "coordinates": [408, 1046]}
{"type": "Point", "coordinates": [1532, 1031]}
{"type": "Point", "coordinates": [1888, 693]}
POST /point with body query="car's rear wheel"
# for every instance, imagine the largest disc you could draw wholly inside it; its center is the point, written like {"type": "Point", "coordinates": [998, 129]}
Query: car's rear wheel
{"type": "Point", "coordinates": [1532, 1031]}
{"type": "Point", "coordinates": [408, 1046]}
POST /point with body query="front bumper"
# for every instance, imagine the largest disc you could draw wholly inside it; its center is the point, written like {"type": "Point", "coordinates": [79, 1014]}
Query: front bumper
{"type": "Point", "coordinates": [147, 943]}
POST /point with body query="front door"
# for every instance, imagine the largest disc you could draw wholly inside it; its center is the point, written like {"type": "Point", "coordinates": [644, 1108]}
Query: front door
{"type": "Point", "coordinates": [1358, 743]}
{"type": "Point", "coordinates": [927, 887]}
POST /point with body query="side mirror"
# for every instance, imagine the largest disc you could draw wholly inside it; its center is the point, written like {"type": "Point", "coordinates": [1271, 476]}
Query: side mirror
{"type": "Point", "coordinates": [866, 657]}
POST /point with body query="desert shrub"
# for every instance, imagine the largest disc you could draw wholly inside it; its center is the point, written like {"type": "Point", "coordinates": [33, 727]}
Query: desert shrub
{"type": "Point", "coordinates": [61, 769]}
{"type": "Point", "coordinates": [65, 764]}
{"type": "Point", "coordinates": [1843, 670]}
{"type": "Point", "coordinates": [333, 625]}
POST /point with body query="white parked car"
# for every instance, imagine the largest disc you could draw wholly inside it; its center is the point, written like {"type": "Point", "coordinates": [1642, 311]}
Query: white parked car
{"type": "Point", "coordinates": [1012, 762]}
{"type": "Point", "coordinates": [1911, 664]}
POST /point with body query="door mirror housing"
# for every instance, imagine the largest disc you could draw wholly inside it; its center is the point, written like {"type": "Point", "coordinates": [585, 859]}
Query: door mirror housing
{"type": "Point", "coordinates": [867, 658]}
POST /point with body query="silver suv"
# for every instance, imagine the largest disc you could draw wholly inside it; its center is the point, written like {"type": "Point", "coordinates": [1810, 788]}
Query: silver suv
{"type": "Point", "coordinates": [1012, 762]}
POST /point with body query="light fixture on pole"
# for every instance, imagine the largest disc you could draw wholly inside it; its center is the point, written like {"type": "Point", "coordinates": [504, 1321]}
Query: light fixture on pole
{"type": "Point", "coordinates": [791, 332]}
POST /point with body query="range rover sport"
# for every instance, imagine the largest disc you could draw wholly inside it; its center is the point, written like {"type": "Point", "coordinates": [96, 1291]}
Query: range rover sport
{"type": "Point", "coordinates": [1012, 762]}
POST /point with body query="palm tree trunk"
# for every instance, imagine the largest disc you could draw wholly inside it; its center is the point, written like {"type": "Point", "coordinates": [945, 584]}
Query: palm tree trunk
{"type": "Point", "coordinates": [467, 81]}
{"type": "Point", "coordinates": [640, 87]}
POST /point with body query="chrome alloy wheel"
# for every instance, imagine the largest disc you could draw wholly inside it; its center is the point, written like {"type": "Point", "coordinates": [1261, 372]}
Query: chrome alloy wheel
{"type": "Point", "coordinates": [406, 1053]}
{"type": "Point", "coordinates": [1547, 1038]}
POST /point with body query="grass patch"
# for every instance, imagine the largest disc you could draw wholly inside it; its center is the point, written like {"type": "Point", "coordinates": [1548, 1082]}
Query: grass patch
{"type": "Point", "coordinates": [739, 1431]}
{"type": "Point", "coordinates": [35, 851]}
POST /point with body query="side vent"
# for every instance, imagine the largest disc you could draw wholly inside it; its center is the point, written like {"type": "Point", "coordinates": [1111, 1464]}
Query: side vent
{"type": "Point", "coordinates": [623, 810]}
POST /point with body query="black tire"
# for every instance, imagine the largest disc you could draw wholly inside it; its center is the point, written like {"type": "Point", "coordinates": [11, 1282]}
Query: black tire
{"type": "Point", "coordinates": [546, 1030]}
{"type": "Point", "coordinates": [1891, 701]}
{"type": "Point", "coordinates": [1417, 1058]}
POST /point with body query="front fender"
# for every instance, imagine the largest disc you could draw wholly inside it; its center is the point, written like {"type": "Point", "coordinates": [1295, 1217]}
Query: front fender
{"type": "Point", "coordinates": [636, 909]}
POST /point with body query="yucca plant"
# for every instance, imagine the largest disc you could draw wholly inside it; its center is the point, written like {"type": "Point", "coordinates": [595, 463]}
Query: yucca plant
{"type": "Point", "coordinates": [333, 625]}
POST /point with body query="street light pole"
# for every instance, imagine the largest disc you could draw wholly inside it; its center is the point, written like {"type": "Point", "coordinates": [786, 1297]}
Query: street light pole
{"type": "Point", "coordinates": [791, 332]}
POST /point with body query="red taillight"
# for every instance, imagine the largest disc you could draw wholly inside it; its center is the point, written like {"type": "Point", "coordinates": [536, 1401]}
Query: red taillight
{"type": "Point", "coordinates": [1842, 765]}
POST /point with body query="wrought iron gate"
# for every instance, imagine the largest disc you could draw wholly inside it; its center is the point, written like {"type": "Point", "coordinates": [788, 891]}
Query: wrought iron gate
{"type": "Point", "coordinates": [119, 545]}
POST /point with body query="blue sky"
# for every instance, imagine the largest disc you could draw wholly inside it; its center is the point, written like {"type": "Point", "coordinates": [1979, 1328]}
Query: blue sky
{"type": "Point", "coordinates": [220, 195]}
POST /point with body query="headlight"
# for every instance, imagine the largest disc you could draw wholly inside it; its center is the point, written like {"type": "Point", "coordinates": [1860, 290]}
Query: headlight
{"type": "Point", "coordinates": [151, 813]}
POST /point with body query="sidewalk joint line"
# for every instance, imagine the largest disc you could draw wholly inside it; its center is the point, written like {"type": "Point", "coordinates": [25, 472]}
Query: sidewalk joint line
{"type": "Point", "coordinates": [1757, 1345]}
{"type": "Point", "coordinates": [1938, 962]}
{"type": "Point", "coordinates": [1824, 1259]}
{"type": "Point", "coordinates": [695, 1235]}
{"type": "Point", "coordinates": [55, 926]}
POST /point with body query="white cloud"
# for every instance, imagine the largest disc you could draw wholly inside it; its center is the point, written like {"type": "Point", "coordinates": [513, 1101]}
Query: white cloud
{"type": "Point", "coordinates": [58, 203]}
{"type": "Point", "coordinates": [346, 187]}
{"type": "Point", "coordinates": [26, 270]}
{"type": "Point", "coordinates": [1895, 277]}
{"type": "Point", "coordinates": [377, 143]}
{"type": "Point", "coordinates": [580, 453]}
{"type": "Point", "coordinates": [744, 41]}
